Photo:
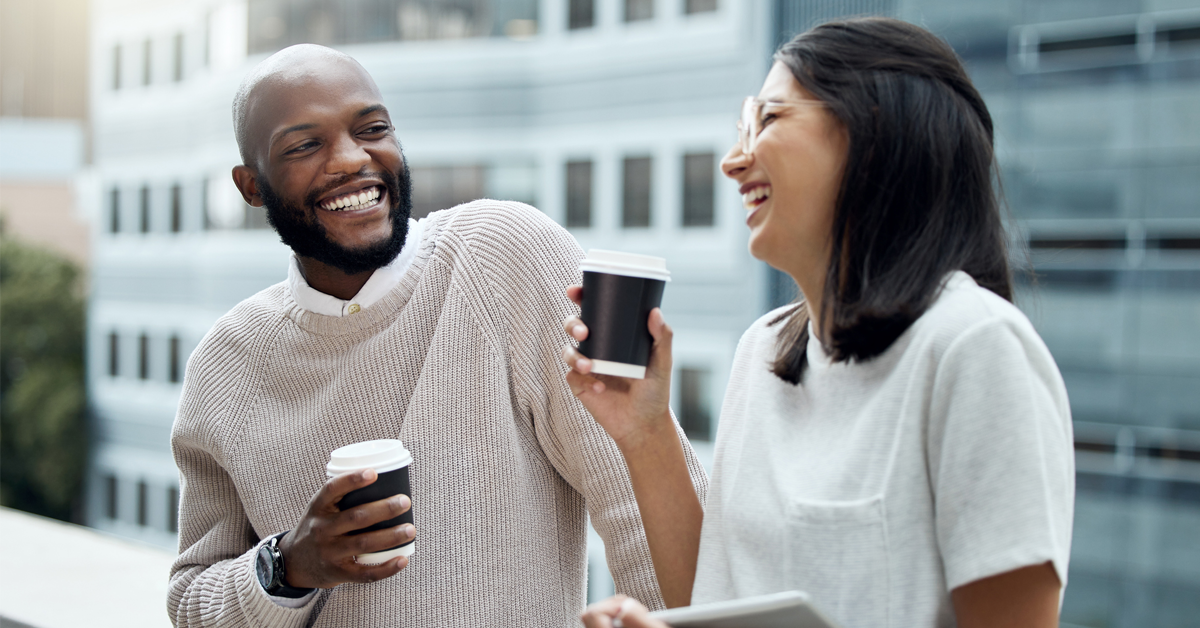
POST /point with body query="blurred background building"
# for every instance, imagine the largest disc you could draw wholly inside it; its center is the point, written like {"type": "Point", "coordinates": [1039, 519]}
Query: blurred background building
{"type": "Point", "coordinates": [610, 116]}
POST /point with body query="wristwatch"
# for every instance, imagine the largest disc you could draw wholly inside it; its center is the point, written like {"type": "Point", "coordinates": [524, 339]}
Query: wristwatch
{"type": "Point", "coordinates": [269, 567]}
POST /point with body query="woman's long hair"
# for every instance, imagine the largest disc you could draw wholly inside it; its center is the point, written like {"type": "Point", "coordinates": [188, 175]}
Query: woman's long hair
{"type": "Point", "coordinates": [917, 199]}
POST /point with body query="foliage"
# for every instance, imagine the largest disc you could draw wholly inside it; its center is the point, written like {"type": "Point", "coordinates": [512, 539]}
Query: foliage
{"type": "Point", "coordinates": [43, 435]}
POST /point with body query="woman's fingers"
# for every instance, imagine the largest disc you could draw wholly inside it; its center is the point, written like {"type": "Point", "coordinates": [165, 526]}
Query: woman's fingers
{"type": "Point", "coordinates": [602, 613]}
{"type": "Point", "coordinates": [575, 328]}
{"type": "Point", "coordinates": [581, 384]}
{"type": "Point", "coordinates": [575, 294]}
{"type": "Point", "coordinates": [576, 360]}
{"type": "Point", "coordinates": [660, 331]}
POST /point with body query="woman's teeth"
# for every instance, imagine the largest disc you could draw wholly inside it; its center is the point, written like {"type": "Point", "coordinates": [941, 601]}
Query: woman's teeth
{"type": "Point", "coordinates": [354, 200]}
{"type": "Point", "coordinates": [756, 197]}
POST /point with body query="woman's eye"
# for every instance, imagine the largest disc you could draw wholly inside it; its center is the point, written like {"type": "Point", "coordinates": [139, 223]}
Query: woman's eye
{"type": "Point", "coordinates": [767, 119]}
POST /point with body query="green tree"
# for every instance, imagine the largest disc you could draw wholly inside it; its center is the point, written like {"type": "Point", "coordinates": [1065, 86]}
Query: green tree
{"type": "Point", "coordinates": [43, 427]}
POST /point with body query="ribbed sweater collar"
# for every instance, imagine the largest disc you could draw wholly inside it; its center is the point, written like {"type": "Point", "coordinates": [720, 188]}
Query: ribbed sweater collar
{"type": "Point", "coordinates": [384, 310]}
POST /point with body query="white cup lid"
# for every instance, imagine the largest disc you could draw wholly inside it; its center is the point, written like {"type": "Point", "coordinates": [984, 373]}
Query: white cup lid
{"type": "Point", "coordinates": [382, 455]}
{"type": "Point", "coordinates": [627, 264]}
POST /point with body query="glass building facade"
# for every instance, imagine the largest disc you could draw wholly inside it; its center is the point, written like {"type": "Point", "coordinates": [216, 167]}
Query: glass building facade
{"type": "Point", "coordinates": [1097, 114]}
{"type": "Point", "coordinates": [610, 116]}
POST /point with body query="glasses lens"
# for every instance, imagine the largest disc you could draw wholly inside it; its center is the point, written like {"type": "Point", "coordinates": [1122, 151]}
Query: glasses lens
{"type": "Point", "coordinates": [748, 127]}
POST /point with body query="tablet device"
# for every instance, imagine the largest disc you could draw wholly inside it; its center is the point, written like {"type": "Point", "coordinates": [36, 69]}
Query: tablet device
{"type": "Point", "coordinates": [788, 609]}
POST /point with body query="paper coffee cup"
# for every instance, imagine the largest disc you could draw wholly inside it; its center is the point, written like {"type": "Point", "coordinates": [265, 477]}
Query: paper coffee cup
{"type": "Point", "coordinates": [619, 290]}
{"type": "Point", "coordinates": [391, 461]}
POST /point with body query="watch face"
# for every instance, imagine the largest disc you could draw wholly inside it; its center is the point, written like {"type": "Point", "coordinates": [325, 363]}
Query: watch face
{"type": "Point", "coordinates": [264, 567]}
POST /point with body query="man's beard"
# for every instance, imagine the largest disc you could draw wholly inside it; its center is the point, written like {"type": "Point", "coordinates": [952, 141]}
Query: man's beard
{"type": "Point", "coordinates": [299, 228]}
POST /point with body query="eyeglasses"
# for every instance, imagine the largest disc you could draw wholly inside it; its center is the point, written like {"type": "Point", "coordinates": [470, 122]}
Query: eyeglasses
{"type": "Point", "coordinates": [753, 112]}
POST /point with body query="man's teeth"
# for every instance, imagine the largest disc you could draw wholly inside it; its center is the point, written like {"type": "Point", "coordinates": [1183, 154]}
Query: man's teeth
{"type": "Point", "coordinates": [353, 200]}
{"type": "Point", "coordinates": [751, 199]}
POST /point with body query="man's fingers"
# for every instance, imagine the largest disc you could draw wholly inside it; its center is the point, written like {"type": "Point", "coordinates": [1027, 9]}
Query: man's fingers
{"type": "Point", "coordinates": [377, 540]}
{"type": "Point", "coordinates": [366, 515]}
{"type": "Point", "coordinates": [372, 573]}
{"type": "Point", "coordinates": [337, 488]}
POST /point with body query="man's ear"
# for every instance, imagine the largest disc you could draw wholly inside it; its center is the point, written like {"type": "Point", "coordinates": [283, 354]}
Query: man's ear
{"type": "Point", "coordinates": [246, 180]}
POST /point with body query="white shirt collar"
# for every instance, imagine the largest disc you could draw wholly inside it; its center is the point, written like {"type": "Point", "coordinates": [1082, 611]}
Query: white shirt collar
{"type": "Point", "coordinates": [381, 282]}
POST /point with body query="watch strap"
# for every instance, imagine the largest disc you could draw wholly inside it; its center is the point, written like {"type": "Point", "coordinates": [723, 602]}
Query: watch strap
{"type": "Point", "coordinates": [279, 586]}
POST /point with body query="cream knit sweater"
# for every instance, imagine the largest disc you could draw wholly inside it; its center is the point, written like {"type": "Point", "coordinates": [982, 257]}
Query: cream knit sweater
{"type": "Point", "coordinates": [461, 362]}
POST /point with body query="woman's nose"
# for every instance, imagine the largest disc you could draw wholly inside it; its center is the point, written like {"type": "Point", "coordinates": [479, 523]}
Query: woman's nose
{"type": "Point", "coordinates": [735, 161]}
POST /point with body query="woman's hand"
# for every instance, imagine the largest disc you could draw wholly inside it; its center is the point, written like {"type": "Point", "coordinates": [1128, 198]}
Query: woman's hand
{"type": "Point", "coordinates": [630, 410]}
{"type": "Point", "coordinates": [619, 610]}
{"type": "Point", "coordinates": [634, 412]}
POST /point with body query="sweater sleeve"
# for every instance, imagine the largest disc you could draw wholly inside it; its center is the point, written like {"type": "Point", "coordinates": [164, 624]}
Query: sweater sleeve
{"type": "Point", "coordinates": [542, 261]}
{"type": "Point", "coordinates": [213, 580]}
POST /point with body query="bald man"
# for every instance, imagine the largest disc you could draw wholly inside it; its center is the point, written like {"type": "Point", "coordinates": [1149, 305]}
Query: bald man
{"type": "Point", "coordinates": [444, 333]}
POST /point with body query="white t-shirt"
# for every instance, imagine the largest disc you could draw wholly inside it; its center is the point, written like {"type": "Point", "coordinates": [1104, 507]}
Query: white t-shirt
{"type": "Point", "coordinates": [878, 487]}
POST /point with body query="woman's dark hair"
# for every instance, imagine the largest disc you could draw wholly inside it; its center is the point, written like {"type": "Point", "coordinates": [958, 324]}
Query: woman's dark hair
{"type": "Point", "coordinates": [916, 200]}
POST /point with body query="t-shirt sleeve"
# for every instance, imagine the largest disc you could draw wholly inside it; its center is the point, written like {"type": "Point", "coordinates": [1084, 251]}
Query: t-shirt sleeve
{"type": "Point", "coordinates": [1000, 452]}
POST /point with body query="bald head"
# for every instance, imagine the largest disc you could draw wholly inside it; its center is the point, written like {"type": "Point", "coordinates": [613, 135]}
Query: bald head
{"type": "Point", "coordinates": [286, 74]}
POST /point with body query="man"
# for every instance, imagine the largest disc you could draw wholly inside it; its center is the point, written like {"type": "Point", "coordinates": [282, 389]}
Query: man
{"type": "Point", "coordinates": [444, 333]}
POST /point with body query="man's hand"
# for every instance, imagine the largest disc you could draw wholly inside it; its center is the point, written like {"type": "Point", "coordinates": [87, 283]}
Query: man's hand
{"type": "Point", "coordinates": [319, 552]}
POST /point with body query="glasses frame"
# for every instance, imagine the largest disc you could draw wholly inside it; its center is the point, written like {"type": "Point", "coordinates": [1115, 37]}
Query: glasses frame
{"type": "Point", "coordinates": [750, 124]}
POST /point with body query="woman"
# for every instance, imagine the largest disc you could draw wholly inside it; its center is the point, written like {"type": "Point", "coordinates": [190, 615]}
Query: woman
{"type": "Point", "coordinates": [898, 444]}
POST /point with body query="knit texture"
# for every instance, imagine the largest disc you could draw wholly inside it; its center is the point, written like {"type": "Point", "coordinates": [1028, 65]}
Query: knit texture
{"type": "Point", "coordinates": [461, 362]}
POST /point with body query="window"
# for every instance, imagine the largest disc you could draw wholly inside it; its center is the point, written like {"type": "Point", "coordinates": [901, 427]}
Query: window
{"type": "Point", "coordinates": [208, 20]}
{"type": "Point", "coordinates": [114, 354]}
{"type": "Point", "coordinates": [636, 10]}
{"type": "Point", "coordinates": [581, 14]}
{"type": "Point", "coordinates": [173, 509]}
{"type": "Point", "coordinates": [144, 210]}
{"type": "Point", "coordinates": [173, 361]}
{"type": "Point", "coordinates": [699, 6]}
{"type": "Point", "coordinates": [256, 218]}
{"type": "Point", "coordinates": [205, 210]}
{"type": "Point", "coordinates": [439, 187]}
{"type": "Point", "coordinates": [147, 50]}
{"type": "Point", "coordinates": [177, 57]}
{"type": "Point", "coordinates": [698, 189]}
{"type": "Point", "coordinates": [141, 502]}
{"type": "Point", "coordinates": [114, 205]}
{"type": "Point", "coordinates": [635, 206]}
{"type": "Point", "coordinates": [116, 70]}
{"type": "Point", "coordinates": [579, 193]}
{"type": "Point", "coordinates": [695, 416]}
{"type": "Point", "coordinates": [143, 356]}
{"type": "Point", "coordinates": [176, 208]}
{"type": "Point", "coordinates": [110, 496]}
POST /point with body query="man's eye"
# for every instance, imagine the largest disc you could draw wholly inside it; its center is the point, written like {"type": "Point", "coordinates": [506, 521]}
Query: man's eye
{"type": "Point", "coordinates": [377, 129]}
{"type": "Point", "coordinates": [301, 148]}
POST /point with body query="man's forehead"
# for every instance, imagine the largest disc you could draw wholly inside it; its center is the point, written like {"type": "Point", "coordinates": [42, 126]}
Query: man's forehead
{"type": "Point", "coordinates": [319, 86]}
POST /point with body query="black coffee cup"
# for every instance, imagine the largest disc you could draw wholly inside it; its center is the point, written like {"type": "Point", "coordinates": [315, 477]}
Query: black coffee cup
{"type": "Point", "coordinates": [391, 461]}
{"type": "Point", "coordinates": [619, 290]}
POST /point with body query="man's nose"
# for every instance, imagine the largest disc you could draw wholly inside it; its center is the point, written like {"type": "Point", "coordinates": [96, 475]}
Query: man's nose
{"type": "Point", "coordinates": [735, 161]}
{"type": "Point", "coordinates": [346, 156]}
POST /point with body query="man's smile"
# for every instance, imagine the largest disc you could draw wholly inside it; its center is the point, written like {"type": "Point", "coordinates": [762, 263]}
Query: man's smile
{"type": "Point", "coordinates": [356, 199]}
